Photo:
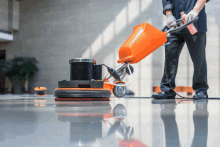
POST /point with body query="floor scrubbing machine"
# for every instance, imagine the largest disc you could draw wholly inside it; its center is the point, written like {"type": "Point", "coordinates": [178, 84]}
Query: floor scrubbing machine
{"type": "Point", "coordinates": [86, 82]}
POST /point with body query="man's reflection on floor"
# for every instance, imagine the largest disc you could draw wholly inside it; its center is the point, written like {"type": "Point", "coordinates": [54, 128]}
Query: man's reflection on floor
{"type": "Point", "coordinates": [200, 119]}
{"type": "Point", "coordinates": [169, 119]}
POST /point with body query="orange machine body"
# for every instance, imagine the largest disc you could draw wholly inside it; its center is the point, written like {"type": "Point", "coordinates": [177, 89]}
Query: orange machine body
{"type": "Point", "coordinates": [144, 40]}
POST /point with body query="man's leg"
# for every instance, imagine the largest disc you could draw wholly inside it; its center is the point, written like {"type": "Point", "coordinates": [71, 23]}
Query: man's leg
{"type": "Point", "coordinates": [172, 53]}
{"type": "Point", "coordinates": [196, 45]}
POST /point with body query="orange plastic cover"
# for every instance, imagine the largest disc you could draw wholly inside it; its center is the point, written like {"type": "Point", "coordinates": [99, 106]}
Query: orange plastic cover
{"type": "Point", "coordinates": [143, 41]}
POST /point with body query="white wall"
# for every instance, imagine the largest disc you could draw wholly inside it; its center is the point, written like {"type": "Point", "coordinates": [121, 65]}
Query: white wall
{"type": "Point", "coordinates": [56, 31]}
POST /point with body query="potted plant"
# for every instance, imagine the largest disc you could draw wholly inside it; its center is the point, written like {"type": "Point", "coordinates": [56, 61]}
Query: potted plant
{"type": "Point", "coordinates": [40, 91]}
{"type": "Point", "coordinates": [26, 68]}
{"type": "Point", "coordinates": [7, 68]}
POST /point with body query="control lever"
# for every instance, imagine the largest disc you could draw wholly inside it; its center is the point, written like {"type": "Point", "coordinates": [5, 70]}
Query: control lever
{"type": "Point", "coordinates": [131, 68]}
{"type": "Point", "coordinates": [114, 73]}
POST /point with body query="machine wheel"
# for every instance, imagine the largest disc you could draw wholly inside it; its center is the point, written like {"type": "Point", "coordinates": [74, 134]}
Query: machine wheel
{"type": "Point", "coordinates": [119, 91]}
{"type": "Point", "coordinates": [119, 111]}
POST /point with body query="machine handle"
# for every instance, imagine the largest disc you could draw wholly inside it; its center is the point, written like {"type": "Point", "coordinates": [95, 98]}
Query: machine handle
{"type": "Point", "coordinates": [177, 23]}
{"type": "Point", "coordinates": [114, 73]}
{"type": "Point", "coordinates": [184, 25]}
{"type": "Point", "coordinates": [181, 27]}
{"type": "Point", "coordinates": [164, 28]}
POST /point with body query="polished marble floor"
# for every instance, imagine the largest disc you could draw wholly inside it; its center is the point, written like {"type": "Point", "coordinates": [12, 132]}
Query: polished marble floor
{"type": "Point", "coordinates": [32, 121]}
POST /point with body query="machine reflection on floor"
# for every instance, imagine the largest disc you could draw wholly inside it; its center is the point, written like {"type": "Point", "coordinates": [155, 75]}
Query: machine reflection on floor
{"type": "Point", "coordinates": [96, 122]}
{"type": "Point", "coordinates": [85, 119]}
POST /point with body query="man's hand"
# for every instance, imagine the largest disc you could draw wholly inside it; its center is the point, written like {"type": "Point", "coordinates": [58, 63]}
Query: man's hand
{"type": "Point", "coordinates": [170, 19]}
{"type": "Point", "coordinates": [191, 15]}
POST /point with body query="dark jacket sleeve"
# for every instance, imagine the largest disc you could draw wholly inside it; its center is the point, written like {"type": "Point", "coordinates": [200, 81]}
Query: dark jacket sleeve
{"type": "Point", "coordinates": [207, 1]}
{"type": "Point", "coordinates": [167, 5]}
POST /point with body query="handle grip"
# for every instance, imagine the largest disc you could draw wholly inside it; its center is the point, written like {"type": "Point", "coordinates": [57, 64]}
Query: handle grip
{"type": "Point", "coordinates": [182, 26]}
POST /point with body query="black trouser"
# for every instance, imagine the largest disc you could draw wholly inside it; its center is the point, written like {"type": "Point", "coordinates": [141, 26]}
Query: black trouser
{"type": "Point", "coordinates": [196, 45]}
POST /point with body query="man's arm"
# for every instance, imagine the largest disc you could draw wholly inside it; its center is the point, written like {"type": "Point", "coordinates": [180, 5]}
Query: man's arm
{"type": "Point", "coordinates": [195, 11]}
{"type": "Point", "coordinates": [167, 5]}
{"type": "Point", "coordinates": [199, 5]}
{"type": "Point", "coordinates": [168, 12]}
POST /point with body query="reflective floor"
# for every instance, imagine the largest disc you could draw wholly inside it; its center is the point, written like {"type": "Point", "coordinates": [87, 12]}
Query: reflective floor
{"type": "Point", "coordinates": [29, 121]}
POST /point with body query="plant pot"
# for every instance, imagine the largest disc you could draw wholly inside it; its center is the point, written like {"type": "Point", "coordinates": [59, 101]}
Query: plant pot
{"type": "Point", "coordinates": [7, 91]}
{"type": "Point", "coordinates": [26, 91]}
{"type": "Point", "coordinates": [41, 92]}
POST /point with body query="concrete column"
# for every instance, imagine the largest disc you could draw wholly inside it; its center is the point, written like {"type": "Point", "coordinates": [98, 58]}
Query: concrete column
{"type": "Point", "coordinates": [4, 15]}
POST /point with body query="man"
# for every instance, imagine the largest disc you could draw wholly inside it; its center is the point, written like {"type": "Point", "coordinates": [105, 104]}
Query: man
{"type": "Point", "coordinates": [196, 45]}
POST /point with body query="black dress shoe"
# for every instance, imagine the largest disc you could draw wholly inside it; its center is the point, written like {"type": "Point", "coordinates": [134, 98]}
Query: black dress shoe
{"type": "Point", "coordinates": [200, 95]}
{"type": "Point", "coordinates": [164, 95]}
